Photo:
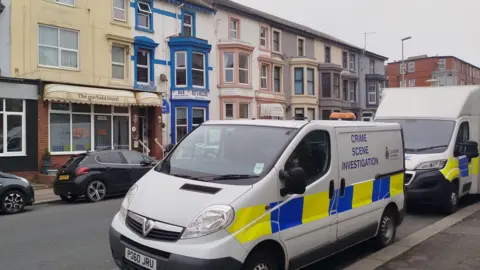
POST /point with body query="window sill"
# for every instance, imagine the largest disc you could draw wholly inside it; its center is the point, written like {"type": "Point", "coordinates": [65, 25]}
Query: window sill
{"type": "Point", "coordinates": [13, 155]}
{"type": "Point", "coordinates": [120, 23]}
{"type": "Point", "coordinates": [236, 85]}
{"type": "Point", "coordinates": [148, 30]}
{"type": "Point", "coordinates": [63, 4]}
{"type": "Point", "coordinates": [119, 83]}
{"type": "Point", "coordinates": [193, 88]}
{"type": "Point", "coordinates": [67, 153]}
{"type": "Point", "coordinates": [60, 68]}
{"type": "Point", "coordinates": [277, 52]}
{"type": "Point", "coordinates": [264, 49]}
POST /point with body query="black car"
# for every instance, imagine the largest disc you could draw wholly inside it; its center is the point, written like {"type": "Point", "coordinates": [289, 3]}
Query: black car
{"type": "Point", "coordinates": [98, 174]}
{"type": "Point", "coordinates": [15, 193]}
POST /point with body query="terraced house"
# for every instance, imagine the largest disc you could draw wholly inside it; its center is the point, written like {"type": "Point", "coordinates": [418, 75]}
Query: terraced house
{"type": "Point", "coordinates": [274, 68]}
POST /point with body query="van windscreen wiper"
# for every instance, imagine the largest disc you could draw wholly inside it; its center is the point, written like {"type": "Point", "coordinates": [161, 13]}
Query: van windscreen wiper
{"type": "Point", "coordinates": [234, 176]}
{"type": "Point", "coordinates": [425, 148]}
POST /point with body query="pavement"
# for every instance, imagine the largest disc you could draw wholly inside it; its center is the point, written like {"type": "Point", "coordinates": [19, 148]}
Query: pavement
{"type": "Point", "coordinates": [58, 235]}
{"type": "Point", "coordinates": [45, 196]}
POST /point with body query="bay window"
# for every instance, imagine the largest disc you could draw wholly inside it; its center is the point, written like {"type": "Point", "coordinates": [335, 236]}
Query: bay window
{"type": "Point", "coordinates": [277, 79]}
{"type": "Point", "coordinates": [264, 77]}
{"type": "Point", "coordinates": [243, 68]}
{"type": "Point", "coordinates": [198, 70]}
{"type": "Point", "coordinates": [228, 67]}
{"type": "Point", "coordinates": [181, 69]}
{"type": "Point", "coordinates": [299, 81]}
{"type": "Point", "coordinates": [12, 127]}
{"type": "Point", "coordinates": [310, 81]}
{"type": "Point", "coordinates": [231, 67]}
{"type": "Point", "coordinates": [82, 127]}
{"type": "Point", "coordinates": [244, 111]}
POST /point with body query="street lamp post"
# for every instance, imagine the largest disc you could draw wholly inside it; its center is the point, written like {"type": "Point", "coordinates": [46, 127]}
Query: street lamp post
{"type": "Point", "coordinates": [403, 60]}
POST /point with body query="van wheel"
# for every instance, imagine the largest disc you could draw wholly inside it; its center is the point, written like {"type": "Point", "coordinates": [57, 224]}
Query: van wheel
{"type": "Point", "coordinates": [261, 260]}
{"type": "Point", "coordinates": [387, 230]}
{"type": "Point", "coordinates": [96, 191]}
{"type": "Point", "coordinates": [452, 204]}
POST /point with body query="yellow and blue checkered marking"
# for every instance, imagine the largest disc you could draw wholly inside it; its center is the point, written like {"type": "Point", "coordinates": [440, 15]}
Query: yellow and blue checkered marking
{"type": "Point", "coordinates": [258, 221]}
{"type": "Point", "coordinates": [463, 166]}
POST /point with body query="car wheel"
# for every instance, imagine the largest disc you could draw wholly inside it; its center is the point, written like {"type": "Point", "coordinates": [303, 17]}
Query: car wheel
{"type": "Point", "coordinates": [96, 191]}
{"type": "Point", "coordinates": [261, 260]}
{"type": "Point", "coordinates": [69, 198]}
{"type": "Point", "coordinates": [12, 202]}
{"type": "Point", "coordinates": [452, 204]}
{"type": "Point", "coordinates": [387, 230]}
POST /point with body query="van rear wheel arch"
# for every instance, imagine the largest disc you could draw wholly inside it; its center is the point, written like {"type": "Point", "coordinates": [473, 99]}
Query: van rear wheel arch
{"type": "Point", "coordinates": [269, 249]}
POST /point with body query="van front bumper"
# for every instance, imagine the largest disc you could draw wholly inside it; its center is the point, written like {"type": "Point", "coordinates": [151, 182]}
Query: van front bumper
{"type": "Point", "coordinates": [428, 188]}
{"type": "Point", "coordinates": [165, 260]}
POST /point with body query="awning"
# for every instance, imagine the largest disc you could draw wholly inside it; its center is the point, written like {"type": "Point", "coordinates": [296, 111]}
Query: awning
{"type": "Point", "coordinates": [148, 99]}
{"type": "Point", "coordinates": [88, 95]}
{"type": "Point", "coordinates": [272, 109]}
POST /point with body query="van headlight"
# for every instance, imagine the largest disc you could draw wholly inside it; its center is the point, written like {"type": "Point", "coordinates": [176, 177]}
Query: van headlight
{"type": "Point", "coordinates": [430, 165]}
{"type": "Point", "coordinates": [126, 201]}
{"type": "Point", "coordinates": [212, 219]}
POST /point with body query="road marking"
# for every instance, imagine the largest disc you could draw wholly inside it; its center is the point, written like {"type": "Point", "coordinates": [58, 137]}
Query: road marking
{"type": "Point", "coordinates": [386, 254]}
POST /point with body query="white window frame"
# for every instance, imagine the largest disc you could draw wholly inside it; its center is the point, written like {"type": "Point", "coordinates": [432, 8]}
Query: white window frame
{"type": "Point", "coordinates": [372, 94]}
{"type": "Point", "coordinates": [186, 25]}
{"type": "Point", "coordinates": [4, 113]}
{"type": "Point", "coordinates": [410, 84]}
{"type": "Point", "coordinates": [403, 83]}
{"type": "Point", "coordinates": [279, 40]}
{"type": "Point", "coordinates": [411, 66]}
{"type": "Point", "coordinates": [442, 64]}
{"type": "Point", "coordinates": [248, 109]}
{"type": "Point", "coordinates": [403, 68]}
{"type": "Point", "coordinates": [280, 78]}
{"type": "Point", "coordinates": [264, 77]}
{"type": "Point", "coordinates": [353, 61]}
{"type": "Point", "coordinates": [247, 69]}
{"type": "Point", "coordinates": [265, 39]}
{"type": "Point", "coordinates": [233, 30]}
{"type": "Point", "coordinates": [310, 110]}
{"type": "Point", "coordinates": [225, 68]}
{"type": "Point", "coordinates": [66, 4]}
{"type": "Point", "coordinates": [181, 68]}
{"type": "Point", "coordinates": [59, 49]}
{"type": "Point", "coordinates": [143, 66]}
{"type": "Point", "coordinates": [120, 64]}
{"type": "Point", "coordinates": [124, 10]}
{"type": "Point", "coordinates": [204, 69]}
{"type": "Point", "coordinates": [225, 110]}
{"type": "Point", "coordinates": [204, 111]}
{"type": "Point", "coordinates": [92, 115]}
{"type": "Point", "coordinates": [143, 12]}
{"type": "Point", "coordinates": [300, 39]}
{"type": "Point", "coordinates": [372, 66]}
{"type": "Point", "coordinates": [329, 54]}
{"type": "Point", "coordinates": [352, 90]}
{"type": "Point", "coordinates": [177, 125]}
{"type": "Point", "coordinates": [345, 55]}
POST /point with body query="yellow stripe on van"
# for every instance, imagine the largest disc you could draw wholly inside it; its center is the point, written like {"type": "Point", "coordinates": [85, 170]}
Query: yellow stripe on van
{"type": "Point", "coordinates": [475, 165]}
{"type": "Point", "coordinates": [451, 171]}
{"type": "Point", "coordinates": [256, 230]}
{"type": "Point", "coordinates": [396, 184]}
{"type": "Point", "coordinates": [315, 207]}
{"type": "Point", "coordinates": [362, 194]}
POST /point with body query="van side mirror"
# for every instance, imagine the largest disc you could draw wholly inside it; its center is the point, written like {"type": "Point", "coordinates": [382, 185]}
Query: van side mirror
{"type": "Point", "coordinates": [295, 181]}
{"type": "Point", "coordinates": [468, 148]}
{"type": "Point", "coordinates": [169, 147]}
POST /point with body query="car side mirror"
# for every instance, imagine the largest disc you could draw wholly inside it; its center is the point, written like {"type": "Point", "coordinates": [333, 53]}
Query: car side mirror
{"type": "Point", "coordinates": [295, 181]}
{"type": "Point", "coordinates": [468, 148]}
{"type": "Point", "coordinates": [169, 147]}
{"type": "Point", "coordinates": [146, 163]}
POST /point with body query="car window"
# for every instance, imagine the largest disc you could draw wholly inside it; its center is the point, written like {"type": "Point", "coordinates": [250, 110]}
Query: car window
{"type": "Point", "coordinates": [312, 154]}
{"type": "Point", "coordinates": [110, 158]}
{"type": "Point", "coordinates": [133, 157]}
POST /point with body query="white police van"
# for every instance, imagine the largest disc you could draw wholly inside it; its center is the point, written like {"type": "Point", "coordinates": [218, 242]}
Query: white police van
{"type": "Point", "coordinates": [272, 195]}
{"type": "Point", "coordinates": [442, 131]}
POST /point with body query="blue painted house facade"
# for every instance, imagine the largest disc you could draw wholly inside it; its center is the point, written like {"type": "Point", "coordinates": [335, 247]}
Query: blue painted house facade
{"type": "Point", "coordinates": [172, 55]}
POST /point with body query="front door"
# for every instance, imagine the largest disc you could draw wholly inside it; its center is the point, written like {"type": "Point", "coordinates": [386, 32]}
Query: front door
{"type": "Point", "coordinates": [143, 129]}
{"type": "Point", "coordinates": [307, 222]}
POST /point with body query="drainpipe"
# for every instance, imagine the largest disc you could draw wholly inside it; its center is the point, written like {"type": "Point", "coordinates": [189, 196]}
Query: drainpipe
{"type": "Point", "coordinates": [176, 17]}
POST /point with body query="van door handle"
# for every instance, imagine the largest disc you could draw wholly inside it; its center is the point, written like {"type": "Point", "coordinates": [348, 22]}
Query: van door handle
{"type": "Point", "coordinates": [342, 187]}
{"type": "Point", "coordinates": [331, 189]}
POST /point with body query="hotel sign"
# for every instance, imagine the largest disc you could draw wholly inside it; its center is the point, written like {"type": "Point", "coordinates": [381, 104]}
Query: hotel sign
{"type": "Point", "coordinates": [191, 94]}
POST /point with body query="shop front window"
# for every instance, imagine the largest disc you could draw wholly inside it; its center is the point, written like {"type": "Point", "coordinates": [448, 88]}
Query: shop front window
{"type": "Point", "coordinates": [12, 127]}
{"type": "Point", "coordinates": [78, 127]}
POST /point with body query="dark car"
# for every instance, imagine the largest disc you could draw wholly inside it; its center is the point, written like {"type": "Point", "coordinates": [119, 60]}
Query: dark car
{"type": "Point", "coordinates": [15, 193]}
{"type": "Point", "coordinates": [98, 174]}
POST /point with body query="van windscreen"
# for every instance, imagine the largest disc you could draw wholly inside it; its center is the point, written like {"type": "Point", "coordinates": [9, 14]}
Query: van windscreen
{"type": "Point", "coordinates": [231, 154]}
{"type": "Point", "coordinates": [423, 136]}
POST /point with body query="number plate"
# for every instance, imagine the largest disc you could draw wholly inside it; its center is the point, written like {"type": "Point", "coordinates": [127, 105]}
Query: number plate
{"type": "Point", "coordinates": [64, 177]}
{"type": "Point", "coordinates": [140, 259]}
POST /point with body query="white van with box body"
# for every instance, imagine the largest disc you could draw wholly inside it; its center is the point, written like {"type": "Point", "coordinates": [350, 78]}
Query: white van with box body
{"type": "Point", "coordinates": [271, 195]}
{"type": "Point", "coordinates": [442, 129]}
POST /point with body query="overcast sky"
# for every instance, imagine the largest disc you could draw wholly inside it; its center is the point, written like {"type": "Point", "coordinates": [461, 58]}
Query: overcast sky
{"type": "Point", "coordinates": [437, 27]}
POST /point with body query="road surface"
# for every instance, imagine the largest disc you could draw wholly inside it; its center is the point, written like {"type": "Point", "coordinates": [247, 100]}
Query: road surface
{"type": "Point", "coordinates": [75, 237]}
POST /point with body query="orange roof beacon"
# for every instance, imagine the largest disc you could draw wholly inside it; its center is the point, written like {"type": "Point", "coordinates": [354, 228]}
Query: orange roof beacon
{"type": "Point", "coordinates": [345, 116]}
